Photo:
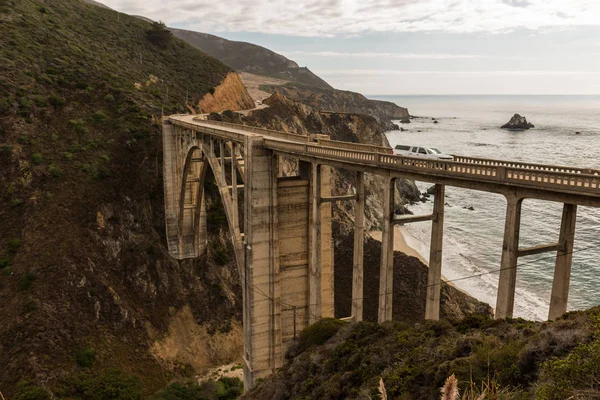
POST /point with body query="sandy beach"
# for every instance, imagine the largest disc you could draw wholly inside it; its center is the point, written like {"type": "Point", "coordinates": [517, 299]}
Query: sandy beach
{"type": "Point", "coordinates": [400, 243]}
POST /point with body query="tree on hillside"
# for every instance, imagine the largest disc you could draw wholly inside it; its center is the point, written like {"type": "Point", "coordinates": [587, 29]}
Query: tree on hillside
{"type": "Point", "coordinates": [159, 34]}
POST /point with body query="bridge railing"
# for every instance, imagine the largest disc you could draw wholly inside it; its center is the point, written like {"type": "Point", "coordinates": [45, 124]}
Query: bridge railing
{"type": "Point", "coordinates": [355, 146]}
{"type": "Point", "coordinates": [543, 178]}
{"type": "Point", "coordinates": [234, 136]}
{"type": "Point", "coordinates": [537, 175]}
{"type": "Point", "coordinates": [534, 166]}
{"type": "Point", "coordinates": [262, 131]}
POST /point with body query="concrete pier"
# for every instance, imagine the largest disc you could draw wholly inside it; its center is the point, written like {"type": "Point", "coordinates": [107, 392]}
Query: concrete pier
{"type": "Point", "coordinates": [434, 277]}
{"type": "Point", "coordinates": [564, 258]}
{"type": "Point", "coordinates": [508, 265]}
{"type": "Point", "coordinates": [359, 241]}
{"type": "Point", "coordinates": [386, 272]}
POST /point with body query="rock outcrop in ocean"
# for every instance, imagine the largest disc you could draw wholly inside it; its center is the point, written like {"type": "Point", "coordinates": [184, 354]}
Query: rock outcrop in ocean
{"type": "Point", "coordinates": [517, 123]}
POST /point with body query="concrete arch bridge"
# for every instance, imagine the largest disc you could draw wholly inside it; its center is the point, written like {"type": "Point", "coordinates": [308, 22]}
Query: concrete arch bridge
{"type": "Point", "coordinates": [281, 229]}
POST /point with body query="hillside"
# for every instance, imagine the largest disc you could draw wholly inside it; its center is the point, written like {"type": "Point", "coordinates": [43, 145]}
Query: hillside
{"type": "Point", "coordinates": [506, 359]}
{"type": "Point", "coordinates": [86, 284]}
{"type": "Point", "coordinates": [248, 57]}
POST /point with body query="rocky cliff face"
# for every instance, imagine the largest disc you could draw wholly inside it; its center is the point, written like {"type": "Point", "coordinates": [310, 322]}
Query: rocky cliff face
{"type": "Point", "coordinates": [292, 116]}
{"type": "Point", "coordinates": [228, 95]}
{"type": "Point", "coordinates": [341, 101]}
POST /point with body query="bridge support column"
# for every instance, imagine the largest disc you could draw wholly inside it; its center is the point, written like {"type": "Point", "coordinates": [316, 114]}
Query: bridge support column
{"type": "Point", "coordinates": [327, 290]}
{"type": "Point", "coordinates": [386, 272]}
{"type": "Point", "coordinates": [510, 252]}
{"type": "Point", "coordinates": [564, 257]}
{"type": "Point", "coordinates": [434, 279]}
{"type": "Point", "coordinates": [315, 271]}
{"type": "Point", "coordinates": [201, 232]}
{"type": "Point", "coordinates": [359, 240]}
{"type": "Point", "coordinates": [234, 191]}
{"type": "Point", "coordinates": [262, 331]}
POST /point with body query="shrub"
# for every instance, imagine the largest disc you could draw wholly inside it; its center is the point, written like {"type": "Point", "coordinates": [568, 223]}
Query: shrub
{"type": "Point", "coordinates": [109, 98]}
{"type": "Point", "coordinates": [571, 376]}
{"type": "Point", "coordinates": [79, 126]}
{"type": "Point", "coordinates": [99, 116]}
{"type": "Point", "coordinates": [229, 388]}
{"type": "Point", "coordinates": [40, 101]}
{"type": "Point", "coordinates": [84, 357]}
{"type": "Point", "coordinates": [159, 34]}
{"type": "Point", "coordinates": [26, 281]}
{"type": "Point", "coordinates": [5, 261]}
{"type": "Point", "coordinates": [29, 306]}
{"type": "Point", "coordinates": [112, 385]}
{"type": "Point", "coordinates": [223, 389]}
{"type": "Point", "coordinates": [55, 171]}
{"type": "Point", "coordinates": [318, 333]}
{"type": "Point", "coordinates": [57, 101]}
{"type": "Point", "coordinates": [13, 245]}
{"type": "Point", "coordinates": [30, 391]}
{"type": "Point", "coordinates": [37, 158]}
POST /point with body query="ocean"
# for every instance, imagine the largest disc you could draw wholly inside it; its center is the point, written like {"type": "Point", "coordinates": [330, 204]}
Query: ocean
{"type": "Point", "coordinates": [470, 126]}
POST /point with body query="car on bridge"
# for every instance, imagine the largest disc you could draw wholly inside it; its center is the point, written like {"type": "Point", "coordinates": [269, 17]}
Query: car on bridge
{"type": "Point", "coordinates": [423, 152]}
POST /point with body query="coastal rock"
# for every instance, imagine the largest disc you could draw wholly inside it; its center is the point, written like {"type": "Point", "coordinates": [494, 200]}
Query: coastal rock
{"type": "Point", "coordinates": [431, 190]}
{"type": "Point", "coordinates": [436, 122]}
{"type": "Point", "coordinates": [405, 121]}
{"type": "Point", "coordinates": [517, 122]}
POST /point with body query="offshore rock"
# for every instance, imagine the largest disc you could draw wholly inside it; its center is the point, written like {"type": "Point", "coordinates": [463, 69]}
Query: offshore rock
{"type": "Point", "coordinates": [517, 122]}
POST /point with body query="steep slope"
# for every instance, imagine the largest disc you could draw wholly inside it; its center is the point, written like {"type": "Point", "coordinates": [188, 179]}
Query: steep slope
{"type": "Point", "coordinates": [506, 359]}
{"type": "Point", "coordinates": [340, 101]}
{"type": "Point", "coordinates": [86, 283]}
{"type": "Point", "coordinates": [248, 57]}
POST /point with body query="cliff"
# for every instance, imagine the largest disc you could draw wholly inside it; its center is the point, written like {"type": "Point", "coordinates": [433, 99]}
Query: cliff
{"type": "Point", "coordinates": [341, 101]}
{"type": "Point", "coordinates": [228, 95]}
{"type": "Point", "coordinates": [292, 116]}
{"type": "Point", "coordinates": [86, 283]}
{"type": "Point", "coordinates": [248, 57]}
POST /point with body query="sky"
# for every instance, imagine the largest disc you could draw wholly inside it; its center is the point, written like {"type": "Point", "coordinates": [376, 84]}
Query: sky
{"type": "Point", "coordinates": [411, 46]}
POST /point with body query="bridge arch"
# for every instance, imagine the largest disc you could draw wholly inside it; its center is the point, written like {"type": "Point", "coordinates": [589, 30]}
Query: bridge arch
{"type": "Point", "coordinates": [191, 223]}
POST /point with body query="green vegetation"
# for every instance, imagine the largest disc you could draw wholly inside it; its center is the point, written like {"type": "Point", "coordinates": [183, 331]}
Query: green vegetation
{"type": "Point", "coordinates": [511, 359]}
{"type": "Point", "coordinates": [82, 91]}
{"type": "Point", "coordinates": [26, 281]}
{"type": "Point", "coordinates": [111, 385]}
{"type": "Point", "coordinates": [576, 376]}
{"type": "Point", "coordinates": [222, 389]}
{"type": "Point", "coordinates": [85, 356]}
{"type": "Point", "coordinates": [318, 333]}
{"type": "Point", "coordinates": [27, 390]}
{"type": "Point", "coordinates": [159, 34]}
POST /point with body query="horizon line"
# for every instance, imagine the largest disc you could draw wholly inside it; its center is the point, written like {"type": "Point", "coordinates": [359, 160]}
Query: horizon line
{"type": "Point", "coordinates": [483, 94]}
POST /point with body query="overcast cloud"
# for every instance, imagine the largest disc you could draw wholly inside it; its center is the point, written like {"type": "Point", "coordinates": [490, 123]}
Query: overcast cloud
{"type": "Point", "coordinates": [351, 17]}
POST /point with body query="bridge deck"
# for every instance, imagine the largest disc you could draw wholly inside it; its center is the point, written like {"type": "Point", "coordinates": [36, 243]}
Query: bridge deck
{"type": "Point", "coordinates": [548, 182]}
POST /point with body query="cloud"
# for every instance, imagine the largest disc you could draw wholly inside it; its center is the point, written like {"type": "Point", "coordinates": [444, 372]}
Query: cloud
{"type": "Point", "coordinates": [380, 72]}
{"type": "Point", "coordinates": [352, 17]}
{"type": "Point", "coordinates": [415, 56]}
